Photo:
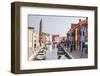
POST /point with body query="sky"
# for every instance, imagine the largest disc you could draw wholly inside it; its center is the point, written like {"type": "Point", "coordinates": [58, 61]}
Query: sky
{"type": "Point", "coordinates": [53, 24]}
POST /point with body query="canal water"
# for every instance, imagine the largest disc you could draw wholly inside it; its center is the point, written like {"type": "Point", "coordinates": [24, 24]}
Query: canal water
{"type": "Point", "coordinates": [51, 53]}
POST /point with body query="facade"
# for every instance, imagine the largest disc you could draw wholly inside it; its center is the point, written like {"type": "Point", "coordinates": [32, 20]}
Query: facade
{"type": "Point", "coordinates": [33, 44]}
{"type": "Point", "coordinates": [75, 36]}
{"type": "Point", "coordinates": [68, 39]}
{"type": "Point", "coordinates": [55, 40]}
{"type": "Point", "coordinates": [36, 39]}
{"type": "Point", "coordinates": [43, 38]}
{"type": "Point", "coordinates": [30, 41]}
{"type": "Point", "coordinates": [78, 33]}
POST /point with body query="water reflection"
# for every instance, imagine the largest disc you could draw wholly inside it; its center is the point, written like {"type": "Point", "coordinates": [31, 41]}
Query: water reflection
{"type": "Point", "coordinates": [51, 52]}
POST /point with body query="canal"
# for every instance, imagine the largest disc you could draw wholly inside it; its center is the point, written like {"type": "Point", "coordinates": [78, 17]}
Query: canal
{"type": "Point", "coordinates": [51, 53]}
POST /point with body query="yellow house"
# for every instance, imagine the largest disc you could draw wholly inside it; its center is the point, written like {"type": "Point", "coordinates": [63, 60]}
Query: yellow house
{"type": "Point", "coordinates": [33, 43]}
{"type": "Point", "coordinates": [30, 41]}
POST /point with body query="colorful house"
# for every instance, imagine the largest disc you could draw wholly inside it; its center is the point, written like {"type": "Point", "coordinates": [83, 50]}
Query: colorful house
{"type": "Point", "coordinates": [77, 33]}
